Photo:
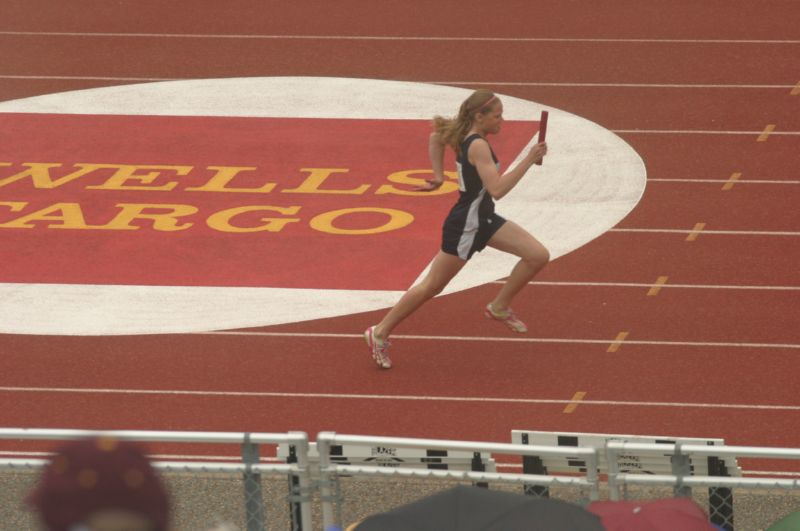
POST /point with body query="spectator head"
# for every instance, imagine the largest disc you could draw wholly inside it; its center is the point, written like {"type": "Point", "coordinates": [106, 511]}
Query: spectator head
{"type": "Point", "coordinates": [100, 484]}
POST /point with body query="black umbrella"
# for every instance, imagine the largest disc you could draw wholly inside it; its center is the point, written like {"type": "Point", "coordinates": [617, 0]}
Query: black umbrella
{"type": "Point", "coordinates": [476, 509]}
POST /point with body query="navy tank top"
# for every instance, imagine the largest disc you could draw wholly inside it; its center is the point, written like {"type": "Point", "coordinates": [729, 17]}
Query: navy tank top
{"type": "Point", "coordinates": [470, 185]}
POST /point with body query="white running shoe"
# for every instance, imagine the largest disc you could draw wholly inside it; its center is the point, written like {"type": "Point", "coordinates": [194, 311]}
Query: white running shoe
{"type": "Point", "coordinates": [507, 317]}
{"type": "Point", "coordinates": [379, 348]}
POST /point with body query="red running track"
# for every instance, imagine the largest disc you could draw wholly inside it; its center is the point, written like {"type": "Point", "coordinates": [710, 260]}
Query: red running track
{"type": "Point", "coordinates": [713, 353]}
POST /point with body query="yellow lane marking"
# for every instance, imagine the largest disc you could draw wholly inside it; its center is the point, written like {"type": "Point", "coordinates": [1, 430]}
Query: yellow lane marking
{"type": "Point", "coordinates": [796, 90]}
{"type": "Point", "coordinates": [765, 133]}
{"type": "Point", "coordinates": [698, 228]}
{"type": "Point", "coordinates": [617, 342]}
{"type": "Point", "coordinates": [574, 401]}
{"type": "Point", "coordinates": [732, 180]}
{"type": "Point", "coordinates": [657, 286]}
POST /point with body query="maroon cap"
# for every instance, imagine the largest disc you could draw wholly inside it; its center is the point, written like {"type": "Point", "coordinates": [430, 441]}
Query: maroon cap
{"type": "Point", "coordinates": [91, 475]}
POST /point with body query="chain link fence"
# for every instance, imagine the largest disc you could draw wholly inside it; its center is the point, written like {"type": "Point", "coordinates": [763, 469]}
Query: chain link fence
{"type": "Point", "coordinates": [205, 501]}
{"type": "Point", "coordinates": [252, 495]}
{"type": "Point", "coordinates": [344, 478]}
{"type": "Point", "coordinates": [719, 480]}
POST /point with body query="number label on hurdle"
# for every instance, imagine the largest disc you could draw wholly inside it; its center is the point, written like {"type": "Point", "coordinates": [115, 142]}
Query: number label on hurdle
{"type": "Point", "coordinates": [394, 457]}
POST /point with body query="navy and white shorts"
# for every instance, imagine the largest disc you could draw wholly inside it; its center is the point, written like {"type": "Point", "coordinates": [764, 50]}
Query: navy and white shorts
{"type": "Point", "coordinates": [462, 240]}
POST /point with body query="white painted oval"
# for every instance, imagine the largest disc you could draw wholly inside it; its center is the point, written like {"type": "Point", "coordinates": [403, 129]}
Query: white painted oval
{"type": "Point", "coordinates": [590, 181]}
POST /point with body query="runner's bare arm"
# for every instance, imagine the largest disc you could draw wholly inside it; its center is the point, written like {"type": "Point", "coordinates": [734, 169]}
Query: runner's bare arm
{"type": "Point", "coordinates": [499, 185]}
{"type": "Point", "coordinates": [436, 148]}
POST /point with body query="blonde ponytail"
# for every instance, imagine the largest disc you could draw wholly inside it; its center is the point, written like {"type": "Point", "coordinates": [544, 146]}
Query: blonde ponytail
{"type": "Point", "coordinates": [453, 131]}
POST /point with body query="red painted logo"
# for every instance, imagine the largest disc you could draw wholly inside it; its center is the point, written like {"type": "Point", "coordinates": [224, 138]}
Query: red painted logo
{"type": "Point", "coordinates": [221, 201]}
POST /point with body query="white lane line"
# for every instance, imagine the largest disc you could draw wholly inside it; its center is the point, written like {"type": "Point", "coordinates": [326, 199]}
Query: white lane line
{"type": "Point", "coordinates": [469, 83]}
{"type": "Point", "coordinates": [616, 131]}
{"type": "Point", "coordinates": [93, 78]}
{"type": "Point", "coordinates": [504, 339]}
{"type": "Point", "coordinates": [394, 38]}
{"type": "Point", "coordinates": [699, 132]}
{"type": "Point", "coordinates": [615, 85]}
{"type": "Point", "coordinates": [662, 286]}
{"type": "Point", "coordinates": [740, 181]}
{"type": "Point", "coordinates": [764, 473]}
{"type": "Point", "coordinates": [416, 398]}
{"type": "Point", "coordinates": [720, 232]}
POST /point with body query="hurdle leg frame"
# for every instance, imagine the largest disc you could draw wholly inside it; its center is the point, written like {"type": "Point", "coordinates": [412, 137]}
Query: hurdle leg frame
{"type": "Point", "coordinates": [534, 465]}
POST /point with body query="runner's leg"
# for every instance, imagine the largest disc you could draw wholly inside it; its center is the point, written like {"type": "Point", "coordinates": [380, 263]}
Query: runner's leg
{"type": "Point", "coordinates": [513, 239]}
{"type": "Point", "coordinates": [443, 269]}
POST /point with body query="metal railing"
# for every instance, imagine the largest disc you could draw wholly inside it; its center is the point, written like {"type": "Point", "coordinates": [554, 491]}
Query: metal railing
{"type": "Point", "coordinates": [309, 474]}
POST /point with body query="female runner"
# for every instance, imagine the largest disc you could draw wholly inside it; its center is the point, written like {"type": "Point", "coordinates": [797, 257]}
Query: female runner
{"type": "Point", "coordinates": [472, 223]}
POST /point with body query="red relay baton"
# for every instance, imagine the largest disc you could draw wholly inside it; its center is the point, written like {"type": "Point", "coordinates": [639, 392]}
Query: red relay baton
{"type": "Point", "coordinates": [542, 130]}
